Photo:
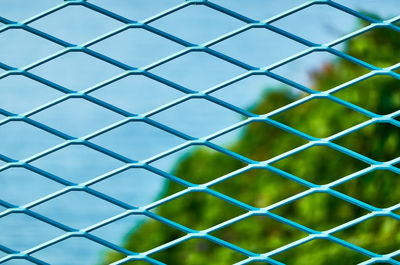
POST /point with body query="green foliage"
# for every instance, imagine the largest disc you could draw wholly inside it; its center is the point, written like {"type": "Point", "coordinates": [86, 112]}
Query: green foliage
{"type": "Point", "coordinates": [320, 165]}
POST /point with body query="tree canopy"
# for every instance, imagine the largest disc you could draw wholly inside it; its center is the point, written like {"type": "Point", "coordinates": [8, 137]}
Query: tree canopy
{"type": "Point", "coordinates": [260, 141]}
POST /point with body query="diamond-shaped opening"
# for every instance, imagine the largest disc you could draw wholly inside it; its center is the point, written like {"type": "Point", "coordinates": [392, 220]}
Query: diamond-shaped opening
{"type": "Point", "coordinates": [198, 70]}
{"type": "Point", "coordinates": [255, 9]}
{"type": "Point", "coordinates": [77, 117]}
{"type": "Point", "coordinates": [266, 234]}
{"type": "Point", "coordinates": [198, 251]}
{"type": "Point", "coordinates": [76, 24]}
{"type": "Point", "coordinates": [77, 163]}
{"type": "Point", "coordinates": [379, 94]}
{"type": "Point", "coordinates": [137, 47]}
{"type": "Point", "coordinates": [320, 164]}
{"type": "Point", "coordinates": [379, 234]}
{"type": "Point", "coordinates": [259, 47]}
{"type": "Point", "coordinates": [18, 10]}
{"type": "Point", "coordinates": [136, 9]}
{"type": "Point", "coordinates": [320, 117]}
{"type": "Point", "coordinates": [203, 163]}
{"type": "Point", "coordinates": [135, 94]}
{"type": "Point", "coordinates": [21, 186]}
{"type": "Point", "coordinates": [197, 117]}
{"type": "Point", "coordinates": [77, 209]}
{"type": "Point", "coordinates": [259, 187]}
{"type": "Point", "coordinates": [320, 70]}
{"type": "Point", "coordinates": [20, 48]}
{"type": "Point", "coordinates": [379, 141]}
{"type": "Point", "coordinates": [198, 210]}
{"type": "Point", "coordinates": [246, 92]}
{"type": "Point", "coordinates": [137, 140]}
{"type": "Point", "coordinates": [136, 240]}
{"type": "Point", "coordinates": [318, 18]}
{"type": "Point", "coordinates": [260, 141]}
{"type": "Point", "coordinates": [320, 252]}
{"type": "Point", "coordinates": [20, 94]}
{"type": "Point", "coordinates": [386, 39]}
{"type": "Point", "coordinates": [76, 70]}
{"type": "Point", "coordinates": [21, 232]}
{"type": "Point", "coordinates": [197, 24]}
{"type": "Point", "coordinates": [21, 140]}
{"type": "Point", "coordinates": [375, 188]}
{"type": "Point", "coordinates": [320, 211]}
{"type": "Point", "coordinates": [135, 186]}
{"type": "Point", "coordinates": [88, 252]}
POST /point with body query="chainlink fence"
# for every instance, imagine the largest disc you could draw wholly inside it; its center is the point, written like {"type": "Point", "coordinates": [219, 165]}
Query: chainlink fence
{"type": "Point", "coordinates": [188, 140]}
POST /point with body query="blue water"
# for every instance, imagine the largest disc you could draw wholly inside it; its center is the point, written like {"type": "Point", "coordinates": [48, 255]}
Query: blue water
{"type": "Point", "coordinates": [136, 94]}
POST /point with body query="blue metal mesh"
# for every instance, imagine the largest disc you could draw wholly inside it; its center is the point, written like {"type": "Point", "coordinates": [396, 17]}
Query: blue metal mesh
{"type": "Point", "coordinates": [189, 140]}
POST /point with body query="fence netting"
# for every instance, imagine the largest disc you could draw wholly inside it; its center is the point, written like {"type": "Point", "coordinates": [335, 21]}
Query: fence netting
{"type": "Point", "coordinates": [190, 92]}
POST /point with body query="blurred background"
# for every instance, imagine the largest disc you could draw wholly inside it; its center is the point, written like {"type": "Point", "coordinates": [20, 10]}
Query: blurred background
{"type": "Point", "coordinates": [137, 94]}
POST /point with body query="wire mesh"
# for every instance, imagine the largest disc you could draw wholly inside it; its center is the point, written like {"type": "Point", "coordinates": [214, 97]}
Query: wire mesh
{"type": "Point", "coordinates": [189, 140]}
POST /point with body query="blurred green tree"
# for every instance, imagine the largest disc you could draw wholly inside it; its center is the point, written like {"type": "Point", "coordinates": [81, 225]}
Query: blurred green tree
{"type": "Point", "coordinates": [320, 165]}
